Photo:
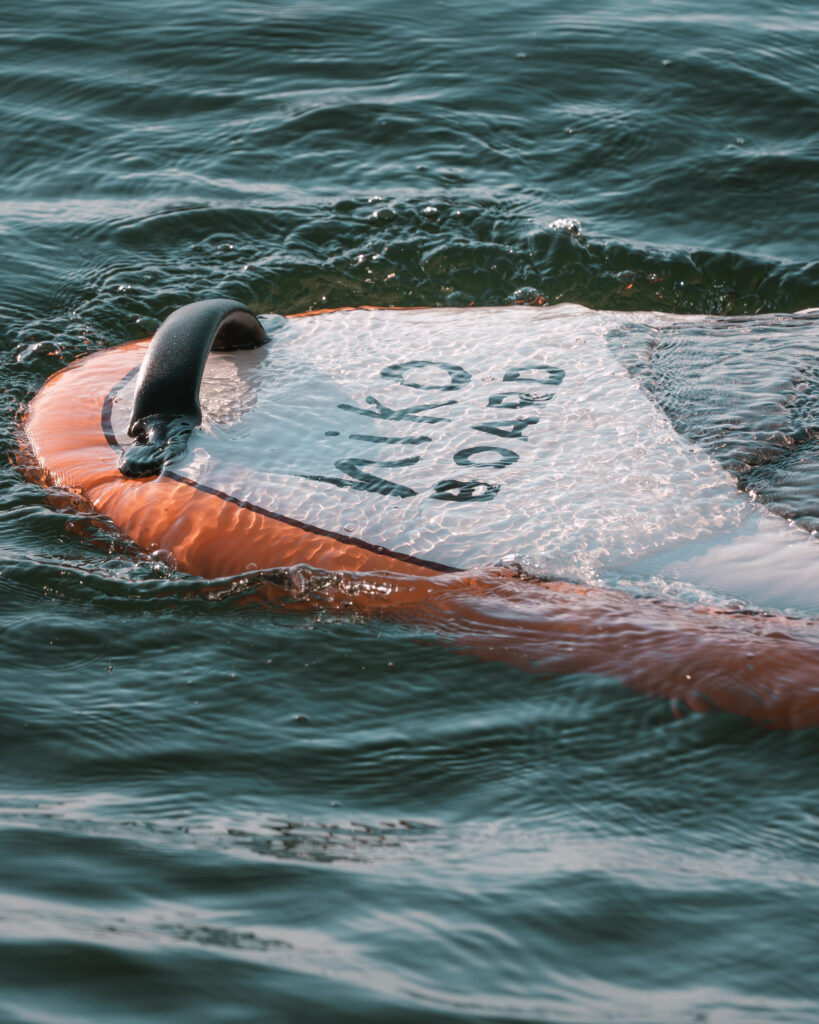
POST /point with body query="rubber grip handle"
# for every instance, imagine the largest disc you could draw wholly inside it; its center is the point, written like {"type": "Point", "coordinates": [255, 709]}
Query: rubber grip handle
{"type": "Point", "coordinates": [166, 403]}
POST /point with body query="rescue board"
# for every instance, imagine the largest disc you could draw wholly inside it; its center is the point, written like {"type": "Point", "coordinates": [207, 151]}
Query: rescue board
{"type": "Point", "coordinates": [508, 447]}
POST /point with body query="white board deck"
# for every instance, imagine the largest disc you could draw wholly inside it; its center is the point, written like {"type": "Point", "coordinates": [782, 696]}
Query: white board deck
{"type": "Point", "coordinates": [483, 436]}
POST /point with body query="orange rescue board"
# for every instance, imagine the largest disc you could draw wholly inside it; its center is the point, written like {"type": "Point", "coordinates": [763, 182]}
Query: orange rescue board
{"type": "Point", "coordinates": [764, 667]}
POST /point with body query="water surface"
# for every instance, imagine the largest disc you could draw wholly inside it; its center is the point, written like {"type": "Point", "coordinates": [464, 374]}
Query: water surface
{"type": "Point", "coordinates": [217, 810]}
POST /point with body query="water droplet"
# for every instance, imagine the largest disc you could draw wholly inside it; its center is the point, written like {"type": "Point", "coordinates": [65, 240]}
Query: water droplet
{"type": "Point", "coordinates": [569, 224]}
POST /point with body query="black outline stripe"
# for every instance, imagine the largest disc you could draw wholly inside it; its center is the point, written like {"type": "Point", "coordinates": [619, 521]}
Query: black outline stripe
{"type": "Point", "coordinates": [108, 409]}
{"type": "Point", "coordinates": [356, 542]}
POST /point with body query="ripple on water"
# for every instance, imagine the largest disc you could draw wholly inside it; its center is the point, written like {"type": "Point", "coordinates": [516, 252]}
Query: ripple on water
{"type": "Point", "coordinates": [217, 810]}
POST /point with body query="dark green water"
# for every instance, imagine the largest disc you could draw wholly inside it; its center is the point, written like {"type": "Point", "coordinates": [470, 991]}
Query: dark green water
{"type": "Point", "coordinates": [212, 810]}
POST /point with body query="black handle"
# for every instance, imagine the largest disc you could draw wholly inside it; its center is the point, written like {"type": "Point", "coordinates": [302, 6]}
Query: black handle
{"type": "Point", "coordinates": [166, 404]}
